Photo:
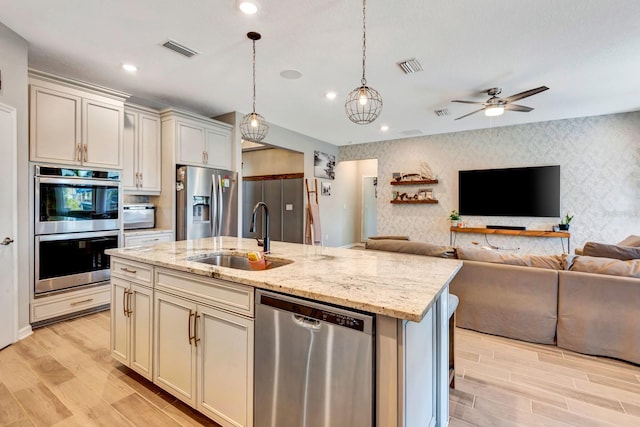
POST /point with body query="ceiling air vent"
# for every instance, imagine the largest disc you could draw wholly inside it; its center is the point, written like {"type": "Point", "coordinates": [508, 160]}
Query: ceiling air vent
{"type": "Point", "coordinates": [442, 113]}
{"type": "Point", "coordinates": [410, 66]}
{"type": "Point", "coordinates": [412, 132]}
{"type": "Point", "coordinates": [182, 50]}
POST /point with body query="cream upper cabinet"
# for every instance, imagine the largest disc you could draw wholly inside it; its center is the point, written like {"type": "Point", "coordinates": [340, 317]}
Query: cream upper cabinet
{"type": "Point", "coordinates": [197, 140]}
{"type": "Point", "coordinates": [75, 123]}
{"type": "Point", "coordinates": [142, 162]}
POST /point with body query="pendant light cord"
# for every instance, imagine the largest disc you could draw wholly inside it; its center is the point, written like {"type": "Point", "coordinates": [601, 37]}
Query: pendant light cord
{"type": "Point", "coordinates": [364, 40]}
{"type": "Point", "coordinates": [254, 76]}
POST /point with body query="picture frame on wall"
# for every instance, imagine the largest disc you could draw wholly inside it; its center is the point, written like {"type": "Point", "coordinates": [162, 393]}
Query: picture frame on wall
{"type": "Point", "coordinates": [324, 165]}
{"type": "Point", "coordinates": [325, 188]}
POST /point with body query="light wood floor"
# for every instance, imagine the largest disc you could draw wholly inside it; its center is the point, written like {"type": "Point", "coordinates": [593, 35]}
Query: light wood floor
{"type": "Point", "coordinates": [63, 375]}
{"type": "Point", "coordinates": [503, 382]}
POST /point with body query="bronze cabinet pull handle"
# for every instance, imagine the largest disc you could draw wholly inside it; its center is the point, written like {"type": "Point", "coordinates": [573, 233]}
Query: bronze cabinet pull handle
{"type": "Point", "coordinates": [195, 329]}
{"type": "Point", "coordinates": [124, 302]}
{"type": "Point", "coordinates": [81, 302]}
{"type": "Point", "coordinates": [126, 270]}
{"type": "Point", "coordinates": [129, 311]}
{"type": "Point", "coordinates": [191, 314]}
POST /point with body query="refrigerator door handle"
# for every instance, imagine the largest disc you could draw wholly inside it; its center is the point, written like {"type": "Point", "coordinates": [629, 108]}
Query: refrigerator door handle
{"type": "Point", "coordinates": [220, 205]}
{"type": "Point", "coordinates": [214, 207]}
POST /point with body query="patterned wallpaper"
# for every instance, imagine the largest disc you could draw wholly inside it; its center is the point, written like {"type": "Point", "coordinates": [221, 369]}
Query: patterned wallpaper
{"type": "Point", "coordinates": [599, 159]}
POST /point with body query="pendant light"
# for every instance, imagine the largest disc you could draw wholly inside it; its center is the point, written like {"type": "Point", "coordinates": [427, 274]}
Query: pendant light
{"type": "Point", "coordinates": [364, 103]}
{"type": "Point", "coordinates": [253, 126]}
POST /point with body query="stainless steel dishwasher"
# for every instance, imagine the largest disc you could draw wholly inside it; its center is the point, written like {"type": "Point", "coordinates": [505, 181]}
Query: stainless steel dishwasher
{"type": "Point", "coordinates": [313, 364]}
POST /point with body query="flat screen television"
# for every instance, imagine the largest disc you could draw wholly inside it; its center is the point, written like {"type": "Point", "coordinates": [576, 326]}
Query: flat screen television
{"type": "Point", "coordinates": [527, 192]}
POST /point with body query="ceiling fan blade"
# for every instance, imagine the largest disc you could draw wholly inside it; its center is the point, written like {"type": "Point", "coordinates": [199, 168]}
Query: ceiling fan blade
{"type": "Point", "coordinates": [515, 107]}
{"type": "Point", "coordinates": [473, 112]}
{"type": "Point", "coordinates": [469, 102]}
{"type": "Point", "coordinates": [524, 94]}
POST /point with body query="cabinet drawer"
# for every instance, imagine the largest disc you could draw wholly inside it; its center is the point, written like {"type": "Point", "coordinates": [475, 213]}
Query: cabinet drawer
{"type": "Point", "coordinates": [219, 293]}
{"type": "Point", "coordinates": [147, 239]}
{"type": "Point", "coordinates": [131, 270]}
{"type": "Point", "coordinates": [70, 302]}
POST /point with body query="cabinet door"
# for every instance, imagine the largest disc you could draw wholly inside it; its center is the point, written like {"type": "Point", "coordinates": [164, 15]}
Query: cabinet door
{"type": "Point", "coordinates": [120, 338]}
{"type": "Point", "coordinates": [174, 362]}
{"type": "Point", "coordinates": [141, 321]}
{"type": "Point", "coordinates": [130, 158]}
{"type": "Point", "coordinates": [55, 134]}
{"type": "Point", "coordinates": [190, 144]}
{"type": "Point", "coordinates": [225, 367]}
{"type": "Point", "coordinates": [149, 161]}
{"type": "Point", "coordinates": [102, 135]}
{"type": "Point", "coordinates": [218, 148]}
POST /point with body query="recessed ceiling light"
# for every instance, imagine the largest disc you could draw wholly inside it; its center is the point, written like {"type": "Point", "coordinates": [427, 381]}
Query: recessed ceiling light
{"type": "Point", "coordinates": [384, 128]}
{"type": "Point", "coordinates": [130, 68]}
{"type": "Point", "coordinates": [331, 95]}
{"type": "Point", "coordinates": [291, 74]}
{"type": "Point", "coordinates": [248, 7]}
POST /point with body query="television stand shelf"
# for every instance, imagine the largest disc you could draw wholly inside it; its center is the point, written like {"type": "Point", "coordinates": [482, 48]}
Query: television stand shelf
{"type": "Point", "coordinates": [525, 233]}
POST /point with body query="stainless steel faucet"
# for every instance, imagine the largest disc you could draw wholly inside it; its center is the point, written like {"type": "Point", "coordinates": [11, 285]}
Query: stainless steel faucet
{"type": "Point", "coordinates": [265, 243]}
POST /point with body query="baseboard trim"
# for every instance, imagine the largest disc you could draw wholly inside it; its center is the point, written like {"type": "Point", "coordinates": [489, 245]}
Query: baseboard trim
{"type": "Point", "coordinates": [24, 332]}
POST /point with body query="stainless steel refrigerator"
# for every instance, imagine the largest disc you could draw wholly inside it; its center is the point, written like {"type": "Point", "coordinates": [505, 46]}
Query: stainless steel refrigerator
{"type": "Point", "coordinates": [206, 203]}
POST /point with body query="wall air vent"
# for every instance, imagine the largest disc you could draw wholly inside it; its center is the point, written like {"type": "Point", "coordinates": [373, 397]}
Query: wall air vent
{"type": "Point", "coordinates": [410, 66]}
{"type": "Point", "coordinates": [442, 113]}
{"type": "Point", "coordinates": [182, 50]}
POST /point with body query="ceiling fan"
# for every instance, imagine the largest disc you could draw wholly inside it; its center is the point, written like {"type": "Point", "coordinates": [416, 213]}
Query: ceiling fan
{"type": "Point", "coordinates": [495, 106]}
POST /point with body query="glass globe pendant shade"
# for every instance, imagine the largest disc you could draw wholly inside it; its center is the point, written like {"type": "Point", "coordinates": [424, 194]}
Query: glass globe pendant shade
{"type": "Point", "coordinates": [363, 105]}
{"type": "Point", "coordinates": [253, 127]}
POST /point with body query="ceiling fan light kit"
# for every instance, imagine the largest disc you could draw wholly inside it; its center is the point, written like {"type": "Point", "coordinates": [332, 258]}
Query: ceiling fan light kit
{"type": "Point", "coordinates": [253, 127]}
{"type": "Point", "coordinates": [495, 105]}
{"type": "Point", "coordinates": [363, 104]}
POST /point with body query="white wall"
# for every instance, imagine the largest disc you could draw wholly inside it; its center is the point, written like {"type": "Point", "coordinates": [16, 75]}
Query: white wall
{"type": "Point", "coordinates": [600, 178]}
{"type": "Point", "coordinates": [13, 64]}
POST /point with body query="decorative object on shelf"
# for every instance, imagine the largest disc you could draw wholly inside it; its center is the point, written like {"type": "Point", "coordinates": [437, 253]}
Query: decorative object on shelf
{"type": "Point", "coordinates": [253, 127]}
{"type": "Point", "coordinates": [364, 103]}
{"type": "Point", "coordinates": [324, 165]}
{"type": "Point", "coordinates": [564, 224]}
{"type": "Point", "coordinates": [454, 217]}
{"type": "Point", "coordinates": [325, 188]}
{"type": "Point", "coordinates": [423, 176]}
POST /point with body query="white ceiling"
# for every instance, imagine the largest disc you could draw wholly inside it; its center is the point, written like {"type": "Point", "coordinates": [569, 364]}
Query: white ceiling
{"type": "Point", "coordinates": [586, 51]}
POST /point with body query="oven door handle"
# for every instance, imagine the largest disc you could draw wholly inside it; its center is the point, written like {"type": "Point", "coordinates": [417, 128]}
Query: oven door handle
{"type": "Point", "coordinates": [75, 236]}
{"type": "Point", "coordinates": [77, 181]}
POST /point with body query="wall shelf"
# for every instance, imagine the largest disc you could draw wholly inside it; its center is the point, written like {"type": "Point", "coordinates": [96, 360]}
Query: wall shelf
{"type": "Point", "coordinates": [413, 202]}
{"type": "Point", "coordinates": [420, 182]}
{"type": "Point", "coordinates": [524, 233]}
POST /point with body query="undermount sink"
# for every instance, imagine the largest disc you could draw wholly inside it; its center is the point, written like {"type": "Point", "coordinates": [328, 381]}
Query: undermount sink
{"type": "Point", "coordinates": [239, 262]}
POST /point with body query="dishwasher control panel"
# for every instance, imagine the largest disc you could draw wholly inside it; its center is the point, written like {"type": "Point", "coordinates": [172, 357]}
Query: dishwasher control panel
{"type": "Point", "coordinates": [336, 317]}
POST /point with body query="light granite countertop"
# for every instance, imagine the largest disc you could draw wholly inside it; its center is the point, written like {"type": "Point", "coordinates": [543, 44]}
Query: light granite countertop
{"type": "Point", "coordinates": [392, 284]}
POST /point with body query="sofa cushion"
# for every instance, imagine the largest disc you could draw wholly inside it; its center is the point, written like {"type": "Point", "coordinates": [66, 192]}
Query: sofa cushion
{"type": "Point", "coordinates": [409, 247]}
{"type": "Point", "coordinates": [552, 262]}
{"type": "Point", "coordinates": [633, 241]}
{"type": "Point", "coordinates": [389, 237]}
{"type": "Point", "coordinates": [604, 250]}
{"type": "Point", "coordinates": [600, 265]}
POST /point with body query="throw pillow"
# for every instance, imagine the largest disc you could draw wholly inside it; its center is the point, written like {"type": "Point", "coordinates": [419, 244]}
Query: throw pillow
{"type": "Point", "coordinates": [551, 262]}
{"type": "Point", "coordinates": [600, 265]}
{"type": "Point", "coordinates": [633, 241]}
{"type": "Point", "coordinates": [611, 251]}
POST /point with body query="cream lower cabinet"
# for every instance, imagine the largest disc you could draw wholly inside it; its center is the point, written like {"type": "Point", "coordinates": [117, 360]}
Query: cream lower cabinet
{"type": "Point", "coordinates": [131, 325]}
{"type": "Point", "coordinates": [203, 355]}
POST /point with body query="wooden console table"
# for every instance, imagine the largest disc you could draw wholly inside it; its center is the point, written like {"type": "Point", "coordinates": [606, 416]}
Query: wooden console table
{"type": "Point", "coordinates": [525, 233]}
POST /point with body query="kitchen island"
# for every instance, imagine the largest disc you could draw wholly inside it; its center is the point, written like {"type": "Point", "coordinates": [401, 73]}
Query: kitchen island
{"type": "Point", "coordinates": [154, 288]}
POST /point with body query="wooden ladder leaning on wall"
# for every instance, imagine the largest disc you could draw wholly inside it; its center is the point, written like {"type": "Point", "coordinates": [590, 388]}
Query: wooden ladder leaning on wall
{"type": "Point", "coordinates": [313, 232]}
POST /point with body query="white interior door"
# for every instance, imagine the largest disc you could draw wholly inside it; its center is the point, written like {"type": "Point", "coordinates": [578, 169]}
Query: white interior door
{"type": "Point", "coordinates": [369, 206]}
{"type": "Point", "coordinates": [8, 227]}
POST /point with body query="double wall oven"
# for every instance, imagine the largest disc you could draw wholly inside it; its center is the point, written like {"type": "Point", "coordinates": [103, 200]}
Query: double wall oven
{"type": "Point", "coordinates": [76, 219]}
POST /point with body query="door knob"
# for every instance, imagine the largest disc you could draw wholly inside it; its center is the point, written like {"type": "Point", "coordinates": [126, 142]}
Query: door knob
{"type": "Point", "coordinates": [6, 241]}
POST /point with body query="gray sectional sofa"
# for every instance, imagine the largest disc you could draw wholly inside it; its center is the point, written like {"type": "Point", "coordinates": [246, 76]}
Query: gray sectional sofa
{"type": "Point", "coordinates": [588, 303]}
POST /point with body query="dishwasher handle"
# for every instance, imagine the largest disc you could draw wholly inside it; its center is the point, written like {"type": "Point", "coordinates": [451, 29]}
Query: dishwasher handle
{"type": "Point", "coordinates": [307, 323]}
